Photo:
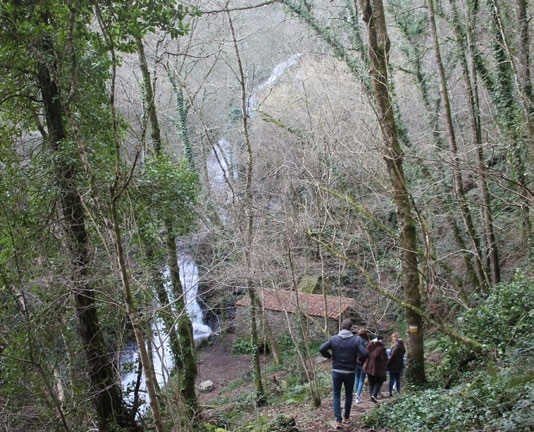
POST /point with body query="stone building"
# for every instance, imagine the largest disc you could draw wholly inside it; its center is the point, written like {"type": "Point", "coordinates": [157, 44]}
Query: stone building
{"type": "Point", "coordinates": [282, 308]}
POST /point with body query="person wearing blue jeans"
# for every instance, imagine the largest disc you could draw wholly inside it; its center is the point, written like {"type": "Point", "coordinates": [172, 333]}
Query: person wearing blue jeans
{"type": "Point", "coordinates": [344, 350]}
{"type": "Point", "coordinates": [339, 379]}
{"type": "Point", "coordinates": [396, 363]}
{"type": "Point", "coordinates": [359, 382]}
{"type": "Point", "coordinates": [360, 374]}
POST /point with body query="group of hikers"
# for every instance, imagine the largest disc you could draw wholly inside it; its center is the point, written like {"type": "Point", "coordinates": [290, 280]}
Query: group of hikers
{"type": "Point", "coordinates": [355, 356]}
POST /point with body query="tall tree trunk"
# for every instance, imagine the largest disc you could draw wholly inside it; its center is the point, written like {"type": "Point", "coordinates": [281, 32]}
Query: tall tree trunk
{"type": "Point", "coordinates": [502, 90]}
{"type": "Point", "coordinates": [528, 103]}
{"type": "Point", "coordinates": [183, 339]}
{"type": "Point", "coordinates": [182, 108]}
{"type": "Point", "coordinates": [465, 42]}
{"type": "Point", "coordinates": [148, 96]}
{"type": "Point", "coordinates": [525, 71]}
{"type": "Point", "coordinates": [249, 225]}
{"type": "Point", "coordinates": [187, 360]}
{"type": "Point", "coordinates": [454, 155]}
{"type": "Point", "coordinates": [155, 134]}
{"type": "Point", "coordinates": [107, 393]}
{"type": "Point", "coordinates": [416, 58]}
{"type": "Point", "coordinates": [150, 376]}
{"type": "Point", "coordinates": [112, 224]}
{"type": "Point", "coordinates": [378, 41]}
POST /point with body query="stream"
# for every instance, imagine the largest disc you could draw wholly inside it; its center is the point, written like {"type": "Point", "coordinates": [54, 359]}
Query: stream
{"type": "Point", "coordinates": [160, 350]}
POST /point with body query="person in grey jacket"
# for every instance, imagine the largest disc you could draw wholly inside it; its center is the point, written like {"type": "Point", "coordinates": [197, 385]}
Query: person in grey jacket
{"type": "Point", "coordinates": [344, 350]}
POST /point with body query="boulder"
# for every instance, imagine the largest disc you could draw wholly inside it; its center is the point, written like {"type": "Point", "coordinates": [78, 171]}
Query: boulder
{"type": "Point", "coordinates": [206, 386]}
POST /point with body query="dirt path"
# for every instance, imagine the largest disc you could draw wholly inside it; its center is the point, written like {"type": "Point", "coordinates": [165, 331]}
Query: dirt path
{"type": "Point", "coordinates": [218, 365]}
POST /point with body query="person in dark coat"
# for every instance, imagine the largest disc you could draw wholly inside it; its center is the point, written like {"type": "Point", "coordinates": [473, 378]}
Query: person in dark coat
{"type": "Point", "coordinates": [375, 367]}
{"type": "Point", "coordinates": [344, 349]}
{"type": "Point", "coordinates": [396, 363]}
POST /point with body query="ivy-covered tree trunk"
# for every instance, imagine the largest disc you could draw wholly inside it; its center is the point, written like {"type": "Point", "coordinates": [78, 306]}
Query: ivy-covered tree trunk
{"type": "Point", "coordinates": [107, 393]}
{"type": "Point", "coordinates": [465, 42]}
{"type": "Point", "coordinates": [501, 85]}
{"type": "Point", "coordinates": [155, 134]}
{"type": "Point", "coordinates": [525, 23]}
{"type": "Point", "coordinates": [525, 71]}
{"type": "Point", "coordinates": [379, 45]}
{"type": "Point", "coordinates": [458, 182]}
{"type": "Point", "coordinates": [182, 339]}
{"type": "Point", "coordinates": [412, 29]}
{"type": "Point", "coordinates": [187, 360]}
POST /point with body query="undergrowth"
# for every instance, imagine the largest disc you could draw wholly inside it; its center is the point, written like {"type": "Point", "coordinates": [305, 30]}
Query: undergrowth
{"type": "Point", "coordinates": [489, 391]}
{"type": "Point", "coordinates": [467, 392]}
{"type": "Point", "coordinates": [484, 404]}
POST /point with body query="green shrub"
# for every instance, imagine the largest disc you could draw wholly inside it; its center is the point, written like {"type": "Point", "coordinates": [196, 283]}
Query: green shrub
{"type": "Point", "coordinates": [242, 346]}
{"type": "Point", "coordinates": [278, 424]}
{"type": "Point", "coordinates": [488, 404]}
{"type": "Point", "coordinates": [491, 391]}
{"type": "Point", "coordinates": [502, 322]}
{"type": "Point", "coordinates": [506, 317]}
{"type": "Point", "coordinates": [283, 424]}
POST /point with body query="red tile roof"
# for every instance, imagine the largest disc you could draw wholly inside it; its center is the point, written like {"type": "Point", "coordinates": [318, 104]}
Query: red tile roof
{"type": "Point", "coordinates": [311, 304]}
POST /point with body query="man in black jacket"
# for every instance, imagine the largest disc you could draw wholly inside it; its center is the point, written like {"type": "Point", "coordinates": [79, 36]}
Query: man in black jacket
{"type": "Point", "coordinates": [344, 350]}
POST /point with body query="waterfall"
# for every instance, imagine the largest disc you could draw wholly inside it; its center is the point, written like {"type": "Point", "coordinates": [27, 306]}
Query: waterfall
{"type": "Point", "coordinates": [189, 278]}
{"type": "Point", "coordinates": [220, 164]}
{"type": "Point", "coordinates": [161, 352]}
{"type": "Point", "coordinates": [269, 83]}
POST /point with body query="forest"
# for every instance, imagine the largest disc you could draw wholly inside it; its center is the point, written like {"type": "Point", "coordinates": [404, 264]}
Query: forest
{"type": "Point", "coordinates": [379, 150]}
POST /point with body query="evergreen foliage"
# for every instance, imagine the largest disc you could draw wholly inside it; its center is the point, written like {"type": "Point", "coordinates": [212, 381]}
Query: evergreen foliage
{"type": "Point", "coordinates": [471, 391]}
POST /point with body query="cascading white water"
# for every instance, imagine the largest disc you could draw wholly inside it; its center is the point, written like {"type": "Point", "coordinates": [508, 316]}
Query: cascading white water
{"type": "Point", "coordinates": [161, 353]}
{"type": "Point", "coordinates": [189, 278]}
{"type": "Point", "coordinates": [276, 73]}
